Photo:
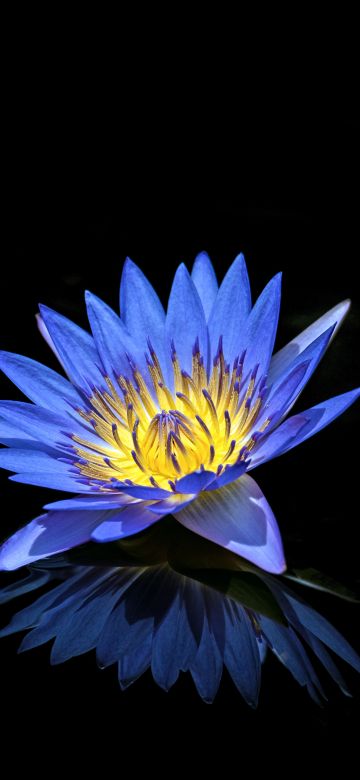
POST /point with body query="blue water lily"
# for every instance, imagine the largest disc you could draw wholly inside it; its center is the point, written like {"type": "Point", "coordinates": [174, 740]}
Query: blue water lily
{"type": "Point", "coordinates": [163, 413]}
{"type": "Point", "coordinates": [153, 617]}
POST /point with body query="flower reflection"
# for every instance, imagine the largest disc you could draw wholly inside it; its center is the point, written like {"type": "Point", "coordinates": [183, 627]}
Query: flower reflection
{"type": "Point", "coordinates": [170, 601]}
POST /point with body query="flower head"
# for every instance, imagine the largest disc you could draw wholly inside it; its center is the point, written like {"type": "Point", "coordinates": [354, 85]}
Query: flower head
{"type": "Point", "coordinates": [163, 413]}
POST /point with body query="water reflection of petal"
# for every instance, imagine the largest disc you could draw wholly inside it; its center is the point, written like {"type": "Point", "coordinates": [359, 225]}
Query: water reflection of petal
{"type": "Point", "coordinates": [154, 617]}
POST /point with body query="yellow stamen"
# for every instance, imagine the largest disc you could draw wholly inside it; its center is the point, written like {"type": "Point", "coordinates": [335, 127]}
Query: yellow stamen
{"type": "Point", "coordinates": [154, 437]}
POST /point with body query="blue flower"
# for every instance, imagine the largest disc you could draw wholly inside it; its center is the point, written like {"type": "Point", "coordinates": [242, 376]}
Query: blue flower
{"type": "Point", "coordinates": [153, 617]}
{"type": "Point", "coordinates": [163, 413]}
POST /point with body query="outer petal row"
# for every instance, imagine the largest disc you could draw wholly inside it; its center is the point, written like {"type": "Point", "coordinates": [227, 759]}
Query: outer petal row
{"type": "Point", "coordinates": [57, 531]}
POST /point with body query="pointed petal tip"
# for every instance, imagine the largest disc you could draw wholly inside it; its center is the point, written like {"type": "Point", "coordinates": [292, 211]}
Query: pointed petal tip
{"type": "Point", "coordinates": [204, 277]}
{"type": "Point", "coordinates": [237, 265]}
{"type": "Point", "coordinates": [4, 566]}
{"type": "Point", "coordinates": [44, 309]}
{"type": "Point", "coordinates": [274, 282]}
{"type": "Point", "coordinates": [9, 561]}
{"type": "Point", "coordinates": [128, 267]}
{"type": "Point", "coordinates": [340, 311]}
{"type": "Point", "coordinates": [351, 396]}
{"type": "Point", "coordinates": [272, 565]}
{"type": "Point", "coordinates": [280, 567]}
{"type": "Point", "coordinates": [47, 311]}
{"type": "Point", "coordinates": [182, 271]}
{"type": "Point", "coordinates": [202, 265]}
{"type": "Point", "coordinates": [92, 303]}
{"type": "Point", "coordinates": [201, 256]}
{"type": "Point", "coordinates": [240, 258]}
{"type": "Point", "coordinates": [91, 298]}
{"type": "Point", "coordinates": [342, 306]}
{"type": "Point", "coordinates": [345, 304]}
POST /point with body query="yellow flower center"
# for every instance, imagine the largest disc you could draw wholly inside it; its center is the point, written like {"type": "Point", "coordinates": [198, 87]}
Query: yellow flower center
{"type": "Point", "coordinates": [155, 439]}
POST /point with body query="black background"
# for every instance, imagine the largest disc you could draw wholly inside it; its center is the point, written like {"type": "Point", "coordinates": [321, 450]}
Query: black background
{"type": "Point", "coordinates": [290, 201]}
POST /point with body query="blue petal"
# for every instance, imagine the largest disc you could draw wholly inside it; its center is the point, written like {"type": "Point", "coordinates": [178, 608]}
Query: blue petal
{"type": "Point", "coordinates": [38, 423]}
{"type": "Point", "coordinates": [29, 460]}
{"type": "Point", "coordinates": [195, 482]}
{"type": "Point", "coordinates": [76, 348]}
{"type": "Point", "coordinates": [321, 415]}
{"type": "Point", "coordinates": [262, 648]}
{"type": "Point", "coordinates": [215, 609]}
{"type": "Point", "coordinates": [142, 607]}
{"type": "Point", "coordinates": [129, 624]}
{"type": "Point", "coordinates": [25, 444]}
{"type": "Point", "coordinates": [167, 646]}
{"type": "Point", "coordinates": [9, 432]}
{"type": "Point", "coordinates": [94, 501]}
{"type": "Point", "coordinates": [29, 616]}
{"type": "Point", "coordinates": [313, 685]}
{"type": "Point", "coordinates": [142, 312]}
{"type": "Point", "coordinates": [175, 644]}
{"type": "Point", "coordinates": [11, 437]}
{"type": "Point", "coordinates": [42, 385]}
{"type": "Point", "coordinates": [315, 629]}
{"type": "Point", "coordinates": [242, 657]}
{"type": "Point", "coordinates": [324, 631]}
{"type": "Point", "coordinates": [47, 535]}
{"type": "Point", "coordinates": [259, 333]}
{"type": "Point", "coordinates": [32, 614]}
{"type": "Point", "coordinates": [31, 420]}
{"type": "Point", "coordinates": [35, 580]}
{"type": "Point", "coordinates": [174, 503]}
{"type": "Point", "coordinates": [308, 358]}
{"type": "Point", "coordinates": [238, 518]}
{"type": "Point", "coordinates": [231, 310]}
{"type": "Point", "coordinates": [127, 522]}
{"type": "Point", "coordinates": [204, 278]}
{"type": "Point", "coordinates": [52, 480]}
{"type": "Point", "coordinates": [185, 320]}
{"type": "Point", "coordinates": [230, 474]}
{"type": "Point", "coordinates": [51, 622]}
{"type": "Point", "coordinates": [193, 614]}
{"type": "Point", "coordinates": [283, 394]}
{"type": "Point", "coordinates": [112, 339]}
{"type": "Point", "coordinates": [326, 660]}
{"type": "Point", "coordinates": [84, 628]}
{"type": "Point", "coordinates": [143, 492]}
{"type": "Point", "coordinates": [136, 663]}
{"type": "Point", "coordinates": [206, 669]}
{"type": "Point", "coordinates": [284, 358]}
{"type": "Point", "coordinates": [46, 336]}
{"type": "Point", "coordinates": [315, 644]}
{"type": "Point", "coordinates": [277, 441]}
{"type": "Point", "coordinates": [285, 645]}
